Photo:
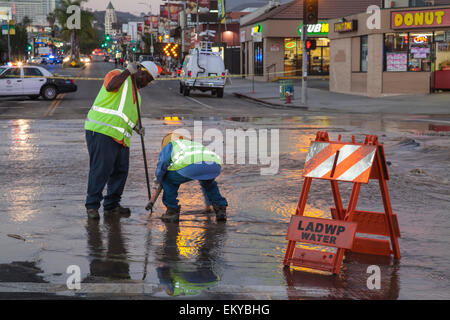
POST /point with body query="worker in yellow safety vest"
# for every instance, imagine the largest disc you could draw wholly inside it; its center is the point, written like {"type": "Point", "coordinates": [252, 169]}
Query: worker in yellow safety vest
{"type": "Point", "coordinates": [181, 161]}
{"type": "Point", "coordinates": [109, 126]}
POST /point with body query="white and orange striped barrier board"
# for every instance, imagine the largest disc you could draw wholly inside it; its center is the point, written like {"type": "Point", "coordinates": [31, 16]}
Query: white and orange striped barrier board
{"type": "Point", "coordinates": [339, 161]}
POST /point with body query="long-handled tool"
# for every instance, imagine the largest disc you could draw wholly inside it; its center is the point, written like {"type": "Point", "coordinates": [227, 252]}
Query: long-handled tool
{"type": "Point", "coordinates": [142, 137]}
{"type": "Point", "coordinates": [153, 199]}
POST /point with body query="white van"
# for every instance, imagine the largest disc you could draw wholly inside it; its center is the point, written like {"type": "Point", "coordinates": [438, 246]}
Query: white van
{"type": "Point", "coordinates": [207, 70]}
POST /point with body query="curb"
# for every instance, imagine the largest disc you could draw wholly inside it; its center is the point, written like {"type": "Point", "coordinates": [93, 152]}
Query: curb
{"type": "Point", "coordinates": [279, 105]}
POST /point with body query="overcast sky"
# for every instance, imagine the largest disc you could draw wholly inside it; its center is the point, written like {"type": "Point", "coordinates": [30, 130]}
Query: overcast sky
{"type": "Point", "coordinates": [132, 6]}
{"type": "Point", "coordinates": [137, 6]}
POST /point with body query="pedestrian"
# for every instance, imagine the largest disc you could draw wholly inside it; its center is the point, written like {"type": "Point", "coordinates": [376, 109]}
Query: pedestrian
{"type": "Point", "coordinates": [109, 126]}
{"type": "Point", "coordinates": [182, 160]}
{"type": "Point", "coordinates": [115, 62]}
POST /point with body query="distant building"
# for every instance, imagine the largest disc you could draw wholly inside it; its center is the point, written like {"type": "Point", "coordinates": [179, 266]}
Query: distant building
{"type": "Point", "coordinates": [110, 20]}
{"type": "Point", "coordinates": [36, 10]}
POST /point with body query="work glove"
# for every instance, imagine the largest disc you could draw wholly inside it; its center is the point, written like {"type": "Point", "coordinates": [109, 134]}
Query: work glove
{"type": "Point", "coordinates": [140, 131]}
{"type": "Point", "coordinates": [132, 67]}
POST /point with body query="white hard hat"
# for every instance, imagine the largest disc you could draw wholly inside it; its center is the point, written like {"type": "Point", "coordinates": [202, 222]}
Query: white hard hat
{"type": "Point", "coordinates": [152, 68]}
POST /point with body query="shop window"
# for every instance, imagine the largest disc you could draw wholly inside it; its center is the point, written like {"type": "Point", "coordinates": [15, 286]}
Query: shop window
{"type": "Point", "coordinates": [364, 52]}
{"type": "Point", "coordinates": [258, 58]}
{"type": "Point", "coordinates": [318, 59]}
{"type": "Point", "coordinates": [420, 52]}
{"type": "Point", "coordinates": [407, 3]}
{"type": "Point", "coordinates": [396, 52]}
{"type": "Point", "coordinates": [292, 56]}
{"type": "Point", "coordinates": [442, 50]}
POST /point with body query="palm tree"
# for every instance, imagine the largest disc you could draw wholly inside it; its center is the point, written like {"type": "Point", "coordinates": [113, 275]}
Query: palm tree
{"type": "Point", "coordinates": [85, 32]}
{"type": "Point", "coordinates": [26, 21]}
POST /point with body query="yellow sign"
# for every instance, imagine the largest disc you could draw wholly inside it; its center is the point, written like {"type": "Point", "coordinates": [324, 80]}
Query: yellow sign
{"type": "Point", "coordinates": [346, 26]}
{"type": "Point", "coordinates": [420, 18]}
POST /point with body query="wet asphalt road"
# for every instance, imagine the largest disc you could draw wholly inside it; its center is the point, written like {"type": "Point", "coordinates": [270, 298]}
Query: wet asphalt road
{"type": "Point", "coordinates": [44, 166]}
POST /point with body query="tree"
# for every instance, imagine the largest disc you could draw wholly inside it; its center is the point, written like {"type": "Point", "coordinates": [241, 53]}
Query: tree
{"type": "Point", "coordinates": [19, 43]}
{"type": "Point", "coordinates": [85, 34]}
{"type": "Point", "coordinates": [26, 21]}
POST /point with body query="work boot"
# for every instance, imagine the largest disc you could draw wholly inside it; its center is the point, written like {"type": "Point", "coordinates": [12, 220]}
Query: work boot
{"type": "Point", "coordinates": [124, 212]}
{"type": "Point", "coordinates": [221, 213]}
{"type": "Point", "coordinates": [171, 215]}
{"type": "Point", "coordinates": [93, 214]}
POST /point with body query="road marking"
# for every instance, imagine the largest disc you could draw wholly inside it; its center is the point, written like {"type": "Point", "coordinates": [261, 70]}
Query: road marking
{"type": "Point", "coordinates": [55, 103]}
{"type": "Point", "coordinates": [201, 103]}
{"type": "Point", "coordinates": [58, 102]}
{"type": "Point", "coordinates": [429, 120]}
{"type": "Point", "coordinates": [50, 108]}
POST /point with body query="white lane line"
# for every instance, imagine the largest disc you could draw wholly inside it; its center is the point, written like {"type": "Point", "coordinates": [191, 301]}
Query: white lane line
{"type": "Point", "coordinates": [201, 103]}
{"type": "Point", "coordinates": [429, 120]}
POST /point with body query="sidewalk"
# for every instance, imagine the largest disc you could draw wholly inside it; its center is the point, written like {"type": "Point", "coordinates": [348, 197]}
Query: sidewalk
{"type": "Point", "coordinates": [321, 99]}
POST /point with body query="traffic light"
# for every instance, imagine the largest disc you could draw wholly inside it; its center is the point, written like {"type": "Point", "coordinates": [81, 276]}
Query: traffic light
{"type": "Point", "coordinates": [107, 37]}
{"type": "Point", "coordinates": [29, 47]}
{"type": "Point", "coordinates": [310, 11]}
{"type": "Point", "coordinates": [311, 44]}
{"type": "Point", "coordinates": [133, 49]}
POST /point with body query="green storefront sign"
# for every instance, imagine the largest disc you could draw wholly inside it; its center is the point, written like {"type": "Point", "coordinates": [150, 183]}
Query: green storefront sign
{"type": "Point", "coordinates": [319, 29]}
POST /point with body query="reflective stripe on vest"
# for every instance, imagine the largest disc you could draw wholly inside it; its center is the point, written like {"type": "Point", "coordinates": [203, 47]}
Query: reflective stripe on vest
{"type": "Point", "coordinates": [118, 112]}
{"type": "Point", "coordinates": [121, 130]}
{"type": "Point", "coordinates": [183, 151]}
{"type": "Point", "coordinates": [114, 114]}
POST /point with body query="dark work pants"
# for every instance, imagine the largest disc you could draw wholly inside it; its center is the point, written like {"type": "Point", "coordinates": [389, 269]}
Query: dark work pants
{"type": "Point", "coordinates": [172, 181]}
{"type": "Point", "coordinates": [108, 164]}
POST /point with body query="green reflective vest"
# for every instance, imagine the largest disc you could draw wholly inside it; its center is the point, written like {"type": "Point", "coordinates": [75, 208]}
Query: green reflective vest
{"type": "Point", "coordinates": [114, 114]}
{"type": "Point", "coordinates": [185, 153]}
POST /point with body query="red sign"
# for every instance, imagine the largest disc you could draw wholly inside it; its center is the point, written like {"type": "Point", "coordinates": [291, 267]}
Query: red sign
{"type": "Point", "coordinates": [325, 232]}
{"type": "Point", "coordinates": [155, 22]}
{"type": "Point", "coordinates": [174, 9]}
{"type": "Point", "coordinates": [147, 20]}
{"type": "Point", "coordinates": [420, 18]}
{"type": "Point", "coordinates": [191, 6]}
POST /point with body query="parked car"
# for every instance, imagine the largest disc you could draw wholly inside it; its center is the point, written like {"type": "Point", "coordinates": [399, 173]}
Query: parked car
{"type": "Point", "coordinates": [145, 57]}
{"type": "Point", "coordinates": [35, 60]}
{"type": "Point", "coordinates": [31, 81]}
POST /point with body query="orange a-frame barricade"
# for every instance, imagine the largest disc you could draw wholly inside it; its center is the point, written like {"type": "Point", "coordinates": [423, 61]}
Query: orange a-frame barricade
{"type": "Point", "coordinates": [351, 162]}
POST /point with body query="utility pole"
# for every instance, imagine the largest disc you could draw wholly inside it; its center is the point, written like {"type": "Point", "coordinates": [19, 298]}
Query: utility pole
{"type": "Point", "coordinates": [9, 39]}
{"type": "Point", "coordinates": [197, 26]}
{"type": "Point", "coordinates": [183, 23]}
{"type": "Point", "coordinates": [304, 65]}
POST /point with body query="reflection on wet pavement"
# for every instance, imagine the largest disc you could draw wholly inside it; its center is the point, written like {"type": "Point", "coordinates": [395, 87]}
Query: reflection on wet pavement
{"type": "Point", "coordinates": [44, 165]}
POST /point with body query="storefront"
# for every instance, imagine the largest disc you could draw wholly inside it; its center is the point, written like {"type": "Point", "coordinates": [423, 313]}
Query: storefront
{"type": "Point", "coordinates": [271, 45]}
{"type": "Point", "coordinates": [318, 58]}
{"type": "Point", "coordinates": [275, 55]}
{"type": "Point", "coordinates": [409, 54]}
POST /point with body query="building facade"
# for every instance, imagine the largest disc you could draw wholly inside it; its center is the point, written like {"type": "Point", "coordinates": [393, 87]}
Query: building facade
{"type": "Point", "coordinates": [36, 10]}
{"type": "Point", "coordinates": [407, 53]}
{"type": "Point", "coordinates": [271, 45]}
{"type": "Point", "coordinates": [110, 20]}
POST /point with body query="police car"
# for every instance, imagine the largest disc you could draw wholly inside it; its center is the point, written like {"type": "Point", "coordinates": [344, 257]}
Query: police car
{"type": "Point", "coordinates": [31, 81]}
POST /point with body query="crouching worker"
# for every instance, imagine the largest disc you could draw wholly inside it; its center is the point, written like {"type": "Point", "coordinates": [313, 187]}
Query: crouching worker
{"type": "Point", "coordinates": [182, 160]}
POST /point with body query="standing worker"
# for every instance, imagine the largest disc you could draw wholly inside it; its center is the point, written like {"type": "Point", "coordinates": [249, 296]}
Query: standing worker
{"type": "Point", "coordinates": [182, 160]}
{"type": "Point", "coordinates": [109, 126]}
